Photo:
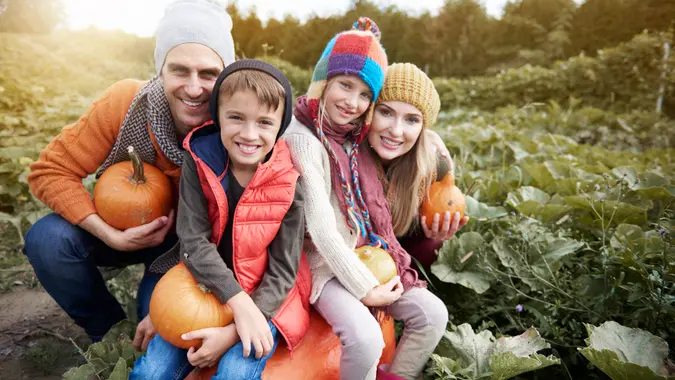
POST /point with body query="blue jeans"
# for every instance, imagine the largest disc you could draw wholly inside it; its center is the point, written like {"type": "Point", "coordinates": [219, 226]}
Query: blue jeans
{"type": "Point", "coordinates": [163, 361]}
{"type": "Point", "coordinates": [66, 259]}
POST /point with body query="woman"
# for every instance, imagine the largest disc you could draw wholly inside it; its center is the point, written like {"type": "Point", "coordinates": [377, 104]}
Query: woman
{"type": "Point", "coordinates": [412, 157]}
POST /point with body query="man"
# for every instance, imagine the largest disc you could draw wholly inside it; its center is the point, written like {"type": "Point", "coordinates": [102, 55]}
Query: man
{"type": "Point", "coordinates": [193, 45]}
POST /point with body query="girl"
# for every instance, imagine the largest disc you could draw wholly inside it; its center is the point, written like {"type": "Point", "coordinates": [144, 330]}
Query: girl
{"type": "Point", "coordinates": [402, 141]}
{"type": "Point", "coordinates": [346, 207]}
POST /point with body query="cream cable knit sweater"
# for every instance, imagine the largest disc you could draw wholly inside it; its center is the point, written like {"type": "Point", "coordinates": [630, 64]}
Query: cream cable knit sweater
{"type": "Point", "coordinates": [331, 249]}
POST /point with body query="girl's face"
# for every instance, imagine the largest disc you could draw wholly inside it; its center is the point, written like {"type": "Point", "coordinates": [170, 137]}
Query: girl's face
{"type": "Point", "coordinates": [346, 98]}
{"type": "Point", "coordinates": [395, 129]}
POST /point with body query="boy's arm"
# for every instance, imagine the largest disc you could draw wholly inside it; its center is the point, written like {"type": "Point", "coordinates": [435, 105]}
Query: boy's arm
{"type": "Point", "coordinates": [194, 230]}
{"type": "Point", "coordinates": [77, 151]}
{"type": "Point", "coordinates": [283, 259]}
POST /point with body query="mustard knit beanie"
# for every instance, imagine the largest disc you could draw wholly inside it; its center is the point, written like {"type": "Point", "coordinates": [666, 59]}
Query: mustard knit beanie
{"type": "Point", "coordinates": [405, 82]}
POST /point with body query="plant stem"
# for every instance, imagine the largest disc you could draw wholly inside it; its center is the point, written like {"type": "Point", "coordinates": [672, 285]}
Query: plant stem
{"type": "Point", "coordinates": [139, 175]}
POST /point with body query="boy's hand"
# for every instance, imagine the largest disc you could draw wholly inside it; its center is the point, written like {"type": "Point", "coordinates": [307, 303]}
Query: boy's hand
{"type": "Point", "coordinates": [383, 295]}
{"type": "Point", "coordinates": [145, 331]}
{"type": "Point", "coordinates": [251, 326]}
{"type": "Point", "coordinates": [215, 343]}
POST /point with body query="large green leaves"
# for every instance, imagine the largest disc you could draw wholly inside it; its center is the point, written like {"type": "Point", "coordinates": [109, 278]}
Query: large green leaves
{"type": "Point", "coordinates": [626, 354]}
{"type": "Point", "coordinates": [459, 262]}
{"type": "Point", "coordinates": [478, 356]}
{"type": "Point", "coordinates": [111, 359]}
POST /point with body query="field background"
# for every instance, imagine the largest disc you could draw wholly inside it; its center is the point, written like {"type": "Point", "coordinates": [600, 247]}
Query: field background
{"type": "Point", "coordinates": [559, 117]}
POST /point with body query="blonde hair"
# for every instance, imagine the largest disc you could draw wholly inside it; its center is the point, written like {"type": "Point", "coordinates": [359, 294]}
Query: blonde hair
{"type": "Point", "coordinates": [413, 170]}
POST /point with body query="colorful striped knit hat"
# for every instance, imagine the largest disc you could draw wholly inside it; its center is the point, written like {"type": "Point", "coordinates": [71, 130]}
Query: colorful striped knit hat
{"type": "Point", "coordinates": [354, 52]}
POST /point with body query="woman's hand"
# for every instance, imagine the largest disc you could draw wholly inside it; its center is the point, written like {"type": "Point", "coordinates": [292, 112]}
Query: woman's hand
{"type": "Point", "coordinates": [444, 231]}
{"type": "Point", "coordinates": [215, 343]}
{"type": "Point", "coordinates": [438, 145]}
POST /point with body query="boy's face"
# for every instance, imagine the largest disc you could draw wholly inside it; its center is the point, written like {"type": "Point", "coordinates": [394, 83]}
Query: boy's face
{"type": "Point", "coordinates": [248, 129]}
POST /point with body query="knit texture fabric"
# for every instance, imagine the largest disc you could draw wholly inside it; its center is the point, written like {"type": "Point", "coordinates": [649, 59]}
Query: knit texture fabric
{"type": "Point", "coordinates": [354, 52]}
{"type": "Point", "coordinates": [194, 21]}
{"type": "Point", "coordinates": [406, 83]}
{"type": "Point", "coordinates": [331, 243]}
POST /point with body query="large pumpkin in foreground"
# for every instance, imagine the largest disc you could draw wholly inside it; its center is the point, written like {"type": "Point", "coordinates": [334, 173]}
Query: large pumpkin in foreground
{"type": "Point", "coordinates": [179, 305]}
{"type": "Point", "coordinates": [443, 196]}
{"type": "Point", "coordinates": [132, 193]}
{"type": "Point", "coordinates": [380, 263]}
{"type": "Point", "coordinates": [317, 357]}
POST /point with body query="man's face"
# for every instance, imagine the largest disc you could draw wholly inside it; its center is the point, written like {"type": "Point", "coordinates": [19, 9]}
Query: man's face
{"type": "Point", "coordinates": [188, 75]}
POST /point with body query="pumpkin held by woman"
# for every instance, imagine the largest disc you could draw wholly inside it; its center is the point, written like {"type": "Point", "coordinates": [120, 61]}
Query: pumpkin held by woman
{"type": "Point", "coordinates": [132, 193]}
{"type": "Point", "coordinates": [443, 196]}
{"type": "Point", "coordinates": [179, 305]}
{"type": "Point", "coordinates": [317, 357]}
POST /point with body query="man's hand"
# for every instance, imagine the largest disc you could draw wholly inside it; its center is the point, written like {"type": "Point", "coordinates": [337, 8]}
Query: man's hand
{"type": "Point", "coordinates": [215, 343]}
{"type": "Point", "coordinates": [133, 239]}
{"type": "Point", "coordinates": [384, 295]}
{"type": "Point", "coordinates": [145, 331]}
{"type": "Point", "coordinates": [251, 325]}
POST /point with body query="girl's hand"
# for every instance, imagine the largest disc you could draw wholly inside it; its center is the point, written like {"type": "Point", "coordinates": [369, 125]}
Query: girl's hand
{"type": "Point", "coordinates": [251, 325]}
{"type": "Point", "coordinates": [383, 295]}
{"type": "Point", "coordinates": [447, 230]}
{"type": "Point", "coordinates": [215, 343]}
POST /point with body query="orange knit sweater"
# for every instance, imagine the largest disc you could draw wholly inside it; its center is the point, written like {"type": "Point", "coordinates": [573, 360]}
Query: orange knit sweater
{"type": "Point", "coordinates": [81, 148]}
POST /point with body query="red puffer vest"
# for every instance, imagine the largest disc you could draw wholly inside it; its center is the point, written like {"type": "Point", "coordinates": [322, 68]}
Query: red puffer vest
{"type": "Point", "coordinates": [258, 216]}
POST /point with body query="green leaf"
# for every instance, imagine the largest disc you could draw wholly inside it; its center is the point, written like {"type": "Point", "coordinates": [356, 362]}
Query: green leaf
{"type": "Point", "coordinates": [458, 262]}
{"type": "Point", "coordinates": [481, 355]}
{"type": "Point", "coordinates": [83, 372]}
{"type": "Point", "coordinates": [507, 365]}
{"type": "Point", "coordinates": [628, 237]}
{"type": "Point", "coordinates": [626, 353]}
{"type": "Point", "coordinates": [480, 211]}
{"type": "Point", "coordinates": [559, 248]}
{"type": "Point", "coordinates": [122, 329]}
{"type": "Point", "coordinates": [626, 173]}
{"type": "Point", "coordinates": [121, 371]}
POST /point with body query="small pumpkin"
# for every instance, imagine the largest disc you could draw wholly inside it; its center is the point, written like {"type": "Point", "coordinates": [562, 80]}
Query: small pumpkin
{"type": "Point", "coordinates": [132, 193]}
{"type": "Point", "coordinates": [179, 305]}
{"type": "Point", "coordinates": [316, 358]}
{"type": "Point", "coordinates": [443, 196]}
{"type": "Point", "coordinates": [380, 263]}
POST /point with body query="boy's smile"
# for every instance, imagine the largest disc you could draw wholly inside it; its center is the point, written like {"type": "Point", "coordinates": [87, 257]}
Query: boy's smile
{"type": "Point", "coordinates": [248, 129]}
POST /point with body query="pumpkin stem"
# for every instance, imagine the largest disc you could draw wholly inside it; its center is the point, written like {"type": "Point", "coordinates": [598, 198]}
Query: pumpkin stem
{"type": "Point", "coordinates": [203, 288]}
{"type": "Point", "coordinates": [451, 202]}
{"type": "Point", "coordinates": [139, 175]}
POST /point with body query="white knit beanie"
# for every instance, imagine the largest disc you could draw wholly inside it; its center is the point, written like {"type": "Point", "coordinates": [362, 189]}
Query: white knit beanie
{"type": "Point", "coordinates": [200, 21]}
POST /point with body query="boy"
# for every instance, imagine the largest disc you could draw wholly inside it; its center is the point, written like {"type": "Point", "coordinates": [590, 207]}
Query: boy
{"type": "Point", "coordinates": [239, 201]}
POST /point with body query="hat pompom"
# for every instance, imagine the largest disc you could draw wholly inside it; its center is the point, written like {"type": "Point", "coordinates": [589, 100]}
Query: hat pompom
{"type": "Point", "coordinates": [367, 25]}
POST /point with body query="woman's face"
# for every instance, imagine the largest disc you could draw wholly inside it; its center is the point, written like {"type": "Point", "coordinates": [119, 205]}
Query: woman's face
{"type": "Point", "coordinates": [395, 129]}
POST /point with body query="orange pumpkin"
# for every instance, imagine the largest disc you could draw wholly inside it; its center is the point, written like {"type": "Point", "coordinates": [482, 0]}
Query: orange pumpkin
{"type": "Point", "coordinates": [317, 357]}
{"type": "Point", "coordinates": [378, 261]}
{"type": "Point", "coordinates": [443, 196]}
{"type": "Point", "coordinates": [179, 305]}
{"type": "Point", "coordinates": [132, 193]}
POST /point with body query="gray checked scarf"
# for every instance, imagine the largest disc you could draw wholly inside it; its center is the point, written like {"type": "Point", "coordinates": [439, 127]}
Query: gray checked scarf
{"type": "Point", "coordinates": [149, 106]}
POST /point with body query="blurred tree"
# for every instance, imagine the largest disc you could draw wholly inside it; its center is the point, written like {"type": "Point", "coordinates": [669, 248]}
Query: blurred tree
{"type": "Point", "coordinates": [32, 16]}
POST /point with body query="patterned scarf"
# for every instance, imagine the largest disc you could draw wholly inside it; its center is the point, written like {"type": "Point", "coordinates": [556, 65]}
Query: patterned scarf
{"type": "Point", "coordinates": [368, 201]}
{"type": "Point", "coordinates": [148, 107]}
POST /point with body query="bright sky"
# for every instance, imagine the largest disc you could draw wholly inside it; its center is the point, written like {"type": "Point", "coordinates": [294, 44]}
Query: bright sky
{"type": "Point", "coordinates": [141, 16]}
